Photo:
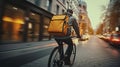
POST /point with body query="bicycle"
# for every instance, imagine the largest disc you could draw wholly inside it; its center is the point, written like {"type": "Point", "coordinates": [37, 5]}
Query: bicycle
{"type": "Point", "coordinates": [54, 58]}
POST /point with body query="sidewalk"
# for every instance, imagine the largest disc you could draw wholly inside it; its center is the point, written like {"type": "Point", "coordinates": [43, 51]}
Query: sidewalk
{"type": "Point", "coordinates": [8, 47]}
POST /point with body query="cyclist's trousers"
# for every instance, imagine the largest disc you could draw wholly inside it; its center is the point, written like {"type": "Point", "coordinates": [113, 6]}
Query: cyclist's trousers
{"type": "Point", "coordinates": [69, 42]}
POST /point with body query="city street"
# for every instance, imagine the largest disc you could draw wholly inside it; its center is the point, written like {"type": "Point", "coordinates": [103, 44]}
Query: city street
{"type": "Point", "coordinates": [28, 28]}
{"type": "Point", "coordinates": [91, 53]}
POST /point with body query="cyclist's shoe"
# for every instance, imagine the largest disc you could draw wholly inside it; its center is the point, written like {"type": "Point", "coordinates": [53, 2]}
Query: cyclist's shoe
{"type": "Point", "coordinates": [67, 61]}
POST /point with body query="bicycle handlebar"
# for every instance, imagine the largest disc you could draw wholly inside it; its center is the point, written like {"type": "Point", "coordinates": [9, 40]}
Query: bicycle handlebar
{"type": "Point", "coordinates": [74, 36]}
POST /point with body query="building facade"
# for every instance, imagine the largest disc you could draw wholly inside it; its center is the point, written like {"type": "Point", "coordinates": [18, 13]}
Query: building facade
{"type": "Point", "coordinates": [84, 21]}
{"type": "Point", "coordinates": [22, 21]}
{"type": "Point", "coordinates": [28, 20]}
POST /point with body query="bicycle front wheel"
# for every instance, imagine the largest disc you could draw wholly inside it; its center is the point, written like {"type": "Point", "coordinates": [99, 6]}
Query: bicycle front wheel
{"type": "Point", "coordinates": [73, 55]}
{"type": "Point", "coordinates": [54, 58]}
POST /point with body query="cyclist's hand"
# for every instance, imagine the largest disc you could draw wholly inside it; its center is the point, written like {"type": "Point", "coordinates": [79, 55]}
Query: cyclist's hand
{"type": "Point", "coordinates": [79, 37]}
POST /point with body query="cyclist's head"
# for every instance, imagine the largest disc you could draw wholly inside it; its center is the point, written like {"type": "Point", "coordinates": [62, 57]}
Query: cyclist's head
{"type": "Point", "coordinates": [69, 11]}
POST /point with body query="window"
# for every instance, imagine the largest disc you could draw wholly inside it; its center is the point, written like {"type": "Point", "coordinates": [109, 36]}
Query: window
{"type": "Point", "coordinates": [48, 4]}
{"type": "Point", "coordinates": [57, 9]}
{"type": "Point", "coordinates": [37, 2]}
{"type": "Point", "coordinates": [13, 22]}
{"type": "Point", "coordinates": [63, 11]}
{"type": "Point", "coordinates": [67, 5]}
{"type": "Point", "coordinates": [45, 27]}
{"type": "Point", "coordinates": [63, 1]}
{"type": "Point", "coordinates": [33, 26]}
{"type": "Point", "coordinates": [84, 7]}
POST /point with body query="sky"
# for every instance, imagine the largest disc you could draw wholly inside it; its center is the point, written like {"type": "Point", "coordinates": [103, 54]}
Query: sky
{"type": "Point", "coordinates": [94, 8]}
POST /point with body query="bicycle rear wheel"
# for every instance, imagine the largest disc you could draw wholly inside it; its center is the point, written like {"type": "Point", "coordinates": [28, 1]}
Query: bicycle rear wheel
{"type": "Point", "coordinates": [73, 55]}
{"type": "Point", "coordinates": [54, 59]}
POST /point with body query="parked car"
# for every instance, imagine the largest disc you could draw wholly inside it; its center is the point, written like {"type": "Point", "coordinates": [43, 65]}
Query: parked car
{"type": "Point", "coordinates": [115, 39]}
{"type": "Point", "coordinates": [106, 37]}
{"type": "Point", "coordinates": [101, 36]}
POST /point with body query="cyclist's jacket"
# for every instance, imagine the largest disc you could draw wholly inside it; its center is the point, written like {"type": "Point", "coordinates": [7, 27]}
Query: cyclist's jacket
{"type": "Point", "coordinates": [72, 23]}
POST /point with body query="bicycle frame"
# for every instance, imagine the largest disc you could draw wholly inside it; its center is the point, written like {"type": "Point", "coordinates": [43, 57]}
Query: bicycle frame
{"type": "Point", "coordinates": [56, 61]}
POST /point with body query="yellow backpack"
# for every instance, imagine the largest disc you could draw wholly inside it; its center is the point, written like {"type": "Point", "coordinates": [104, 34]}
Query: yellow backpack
{"type": "Point", "coordinates": [58, 25]}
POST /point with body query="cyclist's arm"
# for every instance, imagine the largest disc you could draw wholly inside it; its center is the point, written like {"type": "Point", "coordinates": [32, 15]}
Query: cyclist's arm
{"type": "Point", "coordinates": [76, 28]}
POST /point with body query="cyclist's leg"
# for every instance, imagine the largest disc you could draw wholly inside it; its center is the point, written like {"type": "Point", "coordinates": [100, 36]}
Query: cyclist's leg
{"type": "Point", "coordinates": [69, 49]}
{"type": "Point", "coordinates": [61, 51]}
{"type": "Point", "coordinates": [70, 46]}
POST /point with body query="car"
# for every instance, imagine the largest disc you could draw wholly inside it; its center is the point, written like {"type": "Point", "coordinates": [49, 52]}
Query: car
{"type": "Point", "coordinates": [84, 37]}
{"type": "Point", "coordinates": [101, 36]}
{"type": "Point", "coordinates": [115, 39]}
{"type": "Point", "coordinates": [106, 37]}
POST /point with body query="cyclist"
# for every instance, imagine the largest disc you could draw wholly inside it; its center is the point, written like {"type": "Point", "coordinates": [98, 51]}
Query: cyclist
{"type": "Point", "coordinates": [68, 39]}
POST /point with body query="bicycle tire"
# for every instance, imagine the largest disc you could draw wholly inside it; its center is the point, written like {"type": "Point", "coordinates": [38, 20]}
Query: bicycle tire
{"type": "Point", "coordinates": [74, 55]}
{"type": "Point", "coordinates": [50, 61]}
{"type": "Point", "coordinates": [55, 52]}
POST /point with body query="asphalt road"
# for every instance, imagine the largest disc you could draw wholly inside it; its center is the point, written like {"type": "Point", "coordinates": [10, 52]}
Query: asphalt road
{"type": "Point", "coordinates": [97, 53]}
{"type": "Point", "coordinates": [91, 53]}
